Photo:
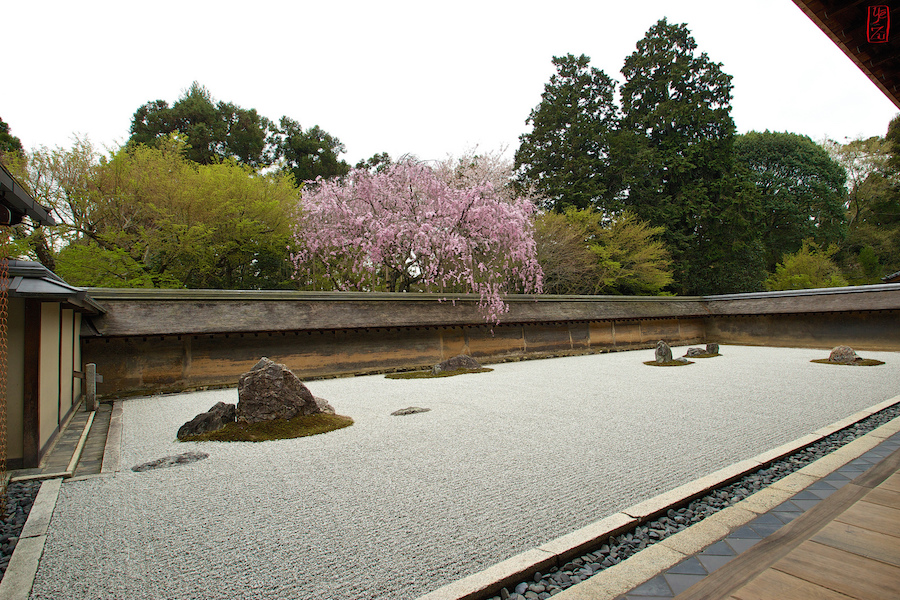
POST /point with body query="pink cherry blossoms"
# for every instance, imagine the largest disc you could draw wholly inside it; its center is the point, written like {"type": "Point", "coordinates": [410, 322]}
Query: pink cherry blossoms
{"type": "Point", "coordinates": [405, 229]}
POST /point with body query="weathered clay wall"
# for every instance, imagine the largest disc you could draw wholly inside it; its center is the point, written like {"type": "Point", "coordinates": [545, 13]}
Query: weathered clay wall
{"type": "Point", "coordinates": [152, 364]}
{"type": "Point", "coordinates": [167, 340]}
{"type": "Point", "coordinates": [861, 330]}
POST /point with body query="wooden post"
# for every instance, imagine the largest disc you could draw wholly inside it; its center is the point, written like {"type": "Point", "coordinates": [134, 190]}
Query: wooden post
{"type": "Point", "coordinates": [90, 387]}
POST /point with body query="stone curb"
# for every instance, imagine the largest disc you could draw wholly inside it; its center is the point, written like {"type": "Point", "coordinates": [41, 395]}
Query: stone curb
{"type": "Point", "coordinates": [19, 576]}
{"type": "Point", "coordinates": [112, 450]}
{"type": "Point", "coordinates": [626, 575]}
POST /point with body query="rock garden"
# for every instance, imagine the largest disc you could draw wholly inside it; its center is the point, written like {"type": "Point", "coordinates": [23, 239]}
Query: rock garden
{"type": "Point", "coordinates": [273, 404]}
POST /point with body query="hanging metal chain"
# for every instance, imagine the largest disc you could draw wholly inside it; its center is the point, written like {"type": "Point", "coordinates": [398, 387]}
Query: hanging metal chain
{"type": "Point", "coordinates": [4, 349]}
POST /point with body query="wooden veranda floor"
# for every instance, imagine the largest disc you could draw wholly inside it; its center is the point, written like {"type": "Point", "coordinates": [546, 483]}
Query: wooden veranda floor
{"type": "Point", "coordinates": [846, 547]}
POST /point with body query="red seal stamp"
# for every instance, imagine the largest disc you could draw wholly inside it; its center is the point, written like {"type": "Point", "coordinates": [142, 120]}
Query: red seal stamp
{"type": "Point", "coordinates": [878, 24]}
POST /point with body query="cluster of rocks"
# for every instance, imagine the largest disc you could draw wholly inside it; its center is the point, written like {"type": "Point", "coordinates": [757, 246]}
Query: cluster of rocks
{"type": "Point", "coordinates": [615, 549]}
{"type": "Point", "coordinates": [710, 349]}
{"type": "Point", "coordinates": [457, 363]}
{"type": "Point", "coordinates": [267, 392]}
{"type": "Point", "coordinates": [664, 353]}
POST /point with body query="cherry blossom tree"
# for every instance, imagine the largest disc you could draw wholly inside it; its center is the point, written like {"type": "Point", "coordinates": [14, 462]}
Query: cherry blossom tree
{"type": "Point", "coordinates": [406, 229]}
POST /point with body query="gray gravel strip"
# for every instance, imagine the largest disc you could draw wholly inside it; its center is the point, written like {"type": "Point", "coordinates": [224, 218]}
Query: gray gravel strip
{"type": "Point", "coordinates": [396, 507]}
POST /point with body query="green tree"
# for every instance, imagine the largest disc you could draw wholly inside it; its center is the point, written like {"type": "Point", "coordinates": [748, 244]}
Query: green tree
{"type": "Point", "coordinates": [150, 217]}
{"type": "Point", "coordinates": [809, 267]}
{"type": "Point", "coordinates": [800, 189]}
{"type": "Point", "coordinates": [565, 159]}
{"type": "Point", "coordinates": [8, 142]}
{"type": "Point", "coordinates": [311, 153]}
{"type": "Point", "coordinates": [872, 247]}
{"type": "Point", "coordinates": [378, 162]}
{"type": "Point", "coordinates": [675, 152]}
{"type": "Point", "coordinates": [216, 131]}
{"type": "Point", "coordinates": [581, 252]}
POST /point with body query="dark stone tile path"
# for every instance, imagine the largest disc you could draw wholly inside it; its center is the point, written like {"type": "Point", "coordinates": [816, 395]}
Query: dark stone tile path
{"type": "Point", "coordinates": [694, 569]}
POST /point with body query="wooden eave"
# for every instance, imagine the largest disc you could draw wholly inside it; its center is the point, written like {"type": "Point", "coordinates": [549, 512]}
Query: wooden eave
{"type": "Point", "coordinates": [846, 23]}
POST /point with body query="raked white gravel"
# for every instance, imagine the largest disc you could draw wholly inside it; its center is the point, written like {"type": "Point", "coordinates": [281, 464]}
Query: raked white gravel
{"type": "Point", "coordinates": [394, 507]}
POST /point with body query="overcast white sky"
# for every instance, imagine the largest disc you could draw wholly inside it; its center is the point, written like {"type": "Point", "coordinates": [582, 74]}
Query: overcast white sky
{"type": "Point", "coordinates": [427, 78]}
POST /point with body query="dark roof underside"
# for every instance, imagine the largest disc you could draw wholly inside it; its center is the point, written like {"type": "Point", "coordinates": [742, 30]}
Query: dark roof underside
{"type": "Point", "coordinates": [19, 202]}
{"type": "Point", "coordinates": [858, 32]}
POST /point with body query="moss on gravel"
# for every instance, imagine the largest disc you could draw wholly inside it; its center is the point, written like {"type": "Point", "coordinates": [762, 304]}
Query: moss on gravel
{"type": "Point", "coordinates": [671, 363]}
{"type": "Point", "coordinates": [429, 375]}
{"type": "Point", "coordinates": [278, 429]}
{"type": "Point", "coordinates": [863, 362]}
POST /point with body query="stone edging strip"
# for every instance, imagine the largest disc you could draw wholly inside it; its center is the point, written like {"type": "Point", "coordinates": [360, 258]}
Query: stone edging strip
{"type": "Point", "coordinates": [633, 571]}
{"type": "Point", "coordinates": [112, 451]}
{"type": "Point", "coordinates": [19, 576]}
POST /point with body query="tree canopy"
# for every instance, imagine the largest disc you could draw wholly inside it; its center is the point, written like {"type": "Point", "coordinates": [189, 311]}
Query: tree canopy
{"type": "Point", "coordinates": [872, 247]}
{"type": "Point", "coordinates": [150, 217]}
{"type": "Point", "coordinates": [8, 142]}
{"type": "Point", "coordinates": [800, 191]}
{"type": "Point", "coordinates": [217, 131]}
{"type": "Point", "coordinates": [676, 149]}
{"type": "Point", "coordinates": [214, 130]}
{"type": "Point", "coordinates": [565, 158]}
{"type": "Point", "coordinates": [406, 229]}
{"type": "Point", "coordinates": [580, 252]}
{"type": "Point", "coordinates": [308, 154]}
{"type": "Point", "coordinates": [808, 267]}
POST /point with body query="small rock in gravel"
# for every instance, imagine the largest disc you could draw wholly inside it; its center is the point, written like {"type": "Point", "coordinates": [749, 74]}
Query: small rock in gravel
{"type": "Point", "coordinates": [521, 588]}
{"type": "Point", "coordinates": [409, 411]}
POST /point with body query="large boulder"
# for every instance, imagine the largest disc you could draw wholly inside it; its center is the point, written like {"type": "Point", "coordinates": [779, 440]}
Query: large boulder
{"type": "Point", "coordinates": [695, 352]}
{"type": "Point", "coordinates": [844, 355]}
{"type": "Point", "coordinates": [271, 391]}
{"type": "Point", "coordinates": [212, 420]}
{"type": "Point", "coordinates": [663, 352]}
{"type": "Point", "coordinates": [456, 363]}
{"type": "Point", "coordinates": [712, 348]}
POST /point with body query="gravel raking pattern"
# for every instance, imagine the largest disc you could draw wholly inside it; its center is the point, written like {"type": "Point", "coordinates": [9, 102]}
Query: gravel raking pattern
{"type": "Point", "coordinates": [396, 507]}
{"type": "Point", "coordinates": [618, 548]}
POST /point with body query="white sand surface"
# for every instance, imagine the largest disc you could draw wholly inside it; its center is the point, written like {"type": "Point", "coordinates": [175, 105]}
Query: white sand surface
{"type": "Point", "coordinates": [394, 507]}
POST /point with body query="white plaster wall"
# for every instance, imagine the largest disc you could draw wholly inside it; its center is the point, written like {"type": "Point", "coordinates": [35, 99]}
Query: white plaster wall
{"type": "Point", "coordinates": [49, 371]}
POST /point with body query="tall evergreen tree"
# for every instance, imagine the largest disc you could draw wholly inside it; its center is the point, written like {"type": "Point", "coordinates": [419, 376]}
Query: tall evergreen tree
{"type": "Point", "coordinates": [564, 159]}
{"type": "Point", "coordinates": [310, 153]}
{"type": "Point", "coordinates": [214, 130]}
{"type": "Point", "coordinates": [675, 151]}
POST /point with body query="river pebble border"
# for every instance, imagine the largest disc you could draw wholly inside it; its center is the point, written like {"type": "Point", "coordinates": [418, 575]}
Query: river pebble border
{"type": "Point", "coordinates": [617, 548]}
{"type": "Point", "coordinates": [18, 502]}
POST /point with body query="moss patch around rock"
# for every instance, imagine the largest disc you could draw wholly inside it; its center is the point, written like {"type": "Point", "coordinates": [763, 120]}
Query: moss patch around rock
{"type": "Point", "coordinates": [279, 429]}
{"type": "Point", "coordinates": [671, 363]}
{"type": "Point", "coordinates": [864, 362]}
{"type": "Point", "coordinates": [429, 375]}
{"type": "Point", "coordinates": [704, 356]}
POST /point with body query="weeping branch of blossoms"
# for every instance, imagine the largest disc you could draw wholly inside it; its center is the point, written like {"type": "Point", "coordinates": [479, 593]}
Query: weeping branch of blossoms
{"type": "Point", "coordinates": [405, 229]}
